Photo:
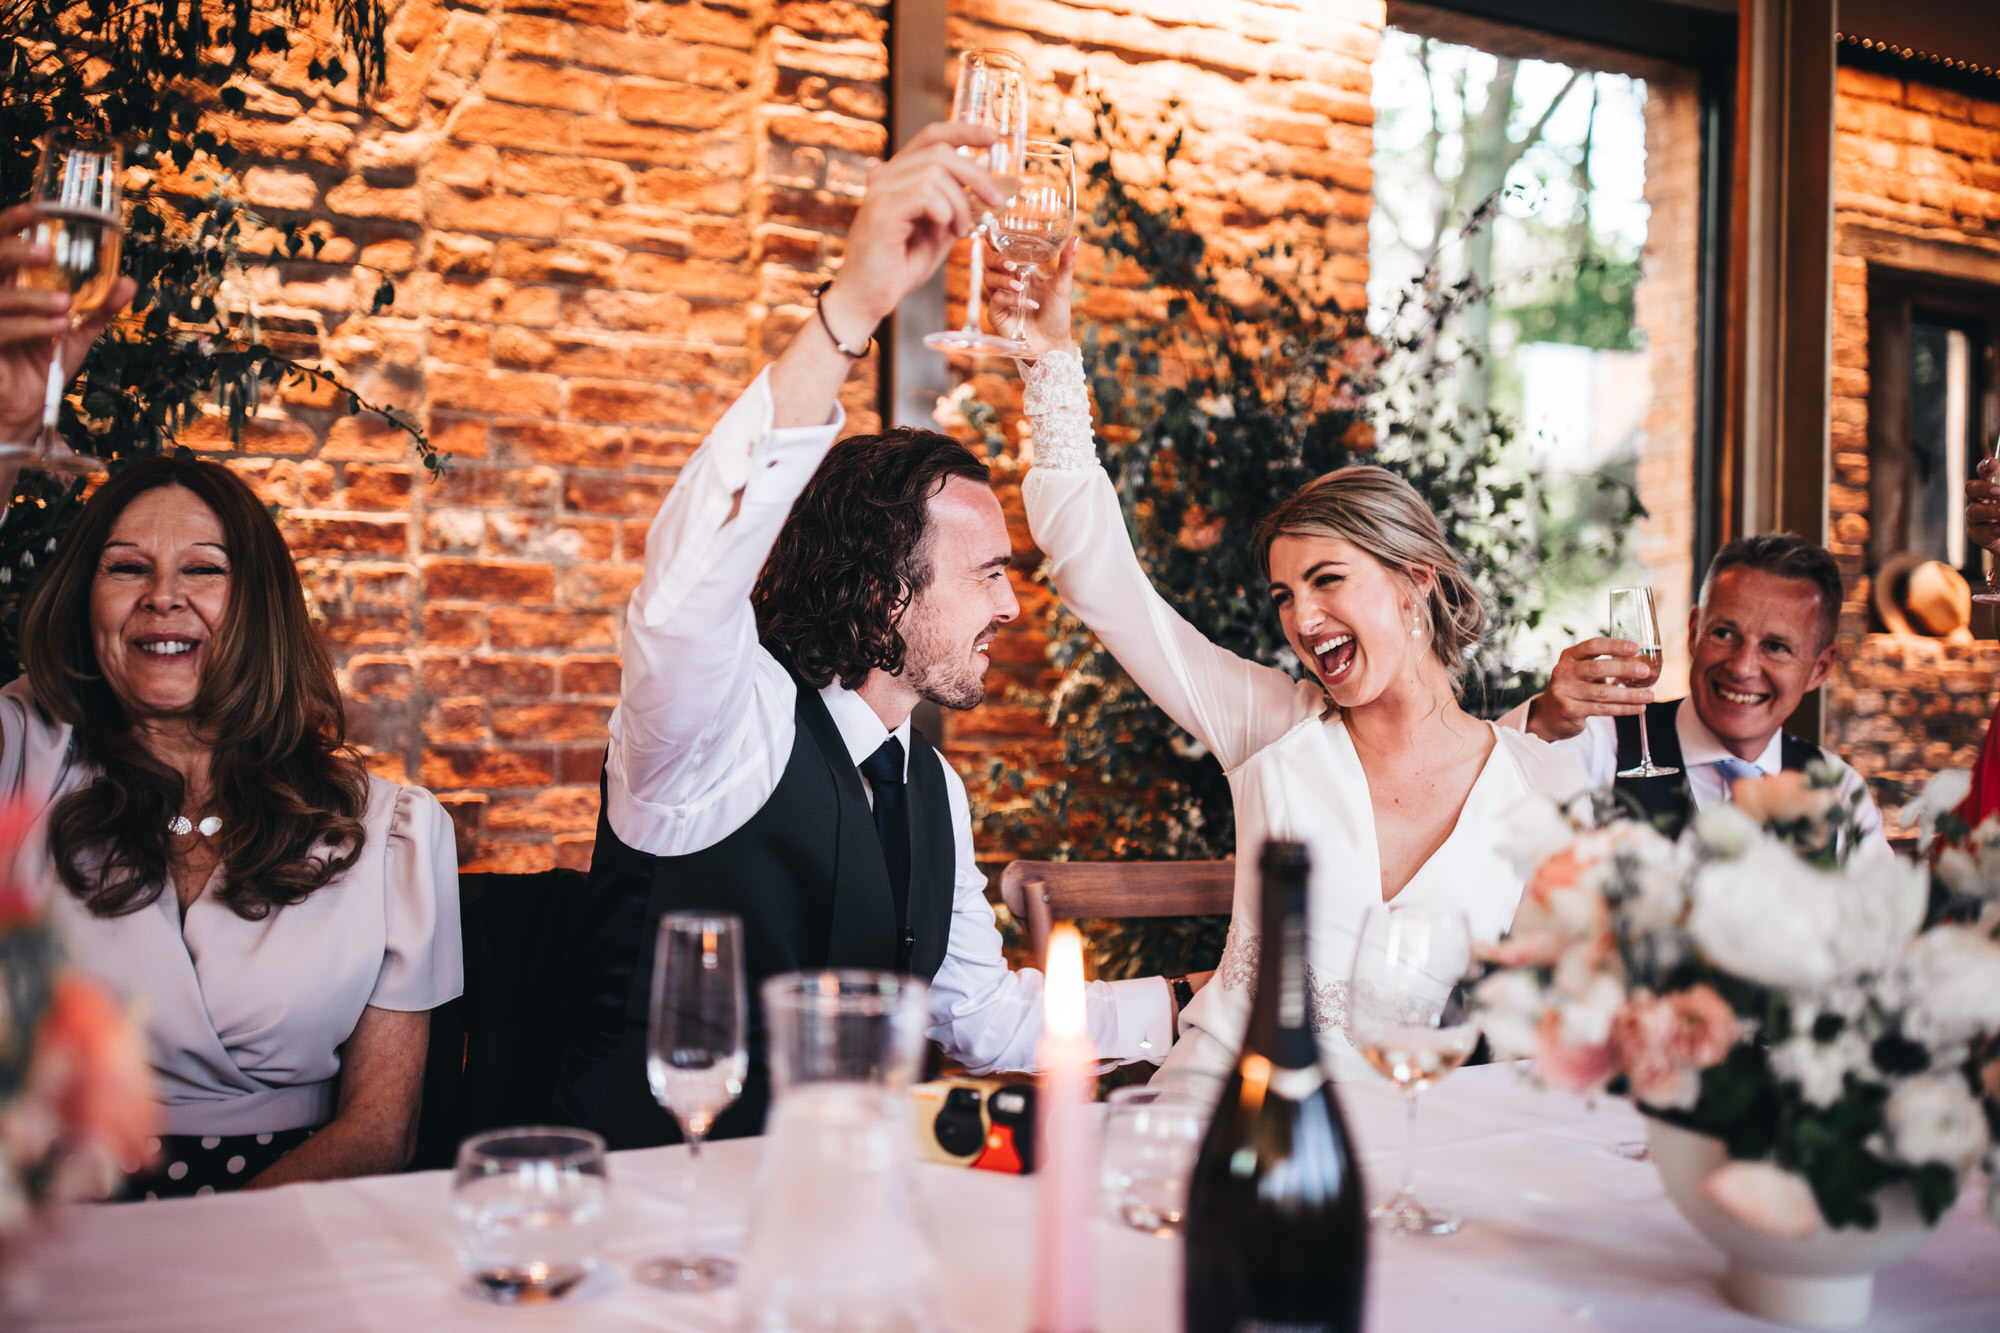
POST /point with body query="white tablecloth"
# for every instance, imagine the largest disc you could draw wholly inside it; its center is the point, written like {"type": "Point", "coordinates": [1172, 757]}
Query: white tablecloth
{"type": "Point", "coordinates": [1561, 1233]}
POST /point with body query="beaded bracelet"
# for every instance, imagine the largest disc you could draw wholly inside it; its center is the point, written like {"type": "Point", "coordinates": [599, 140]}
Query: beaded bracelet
{"type": "Point", "coordinates": [819, 305]}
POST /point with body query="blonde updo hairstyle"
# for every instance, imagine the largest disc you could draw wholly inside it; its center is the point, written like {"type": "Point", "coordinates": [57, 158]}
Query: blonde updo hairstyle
{"type": "Point", "coordinates": [1382, 514]}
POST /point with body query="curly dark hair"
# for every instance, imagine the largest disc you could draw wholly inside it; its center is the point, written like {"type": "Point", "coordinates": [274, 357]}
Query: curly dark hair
{"type": "Point", "coordinates": [854, 553]}
{"type": "Point", "coordinates": [288, 790]}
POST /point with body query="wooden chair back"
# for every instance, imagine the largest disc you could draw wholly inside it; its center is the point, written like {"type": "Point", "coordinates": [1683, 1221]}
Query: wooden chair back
{"type": "Point", "coordinates": [1040, 893]}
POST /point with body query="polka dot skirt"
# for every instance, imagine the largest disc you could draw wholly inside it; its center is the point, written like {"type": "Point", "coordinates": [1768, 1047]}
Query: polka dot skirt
{"type": "Point", "coordinates": [189, 1165]}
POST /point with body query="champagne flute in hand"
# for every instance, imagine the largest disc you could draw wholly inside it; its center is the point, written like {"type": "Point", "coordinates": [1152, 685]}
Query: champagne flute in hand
{"type": "Point", "coordinates": [78, 218]}
{"type": "Point", "coordinates": [1634, 617]}
{"type": "Point", "coordinates": [695, 1064]}
{"type": "Point", "coordinates": [1407, 1016]}
{"type": "Point", "coordinates": [1032, 229]}
{"type": "Point", "coordinates": [992, 91]}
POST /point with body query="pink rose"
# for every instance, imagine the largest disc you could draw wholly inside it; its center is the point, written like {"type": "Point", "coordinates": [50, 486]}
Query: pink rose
{"type": "Point", "coordinates": [1705, 1028]}
{"type": "Point", "coordinates": [1782, 798]}
{"type": "Point", "coordinates": [1571, 1066]}
{"type": "Point", "coordinates": [1766, 1198]}
{"type": "Point", "coordinates": [90, 1064]}
{"type": "Point", "coordinates": [1642, 1039]}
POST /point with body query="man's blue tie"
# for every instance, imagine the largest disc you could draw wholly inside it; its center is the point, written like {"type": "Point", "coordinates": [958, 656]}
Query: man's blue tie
{"type": "Point", "coordinates": [1733, 768]}
{"type": "Point", "coordinates": [884, 771]}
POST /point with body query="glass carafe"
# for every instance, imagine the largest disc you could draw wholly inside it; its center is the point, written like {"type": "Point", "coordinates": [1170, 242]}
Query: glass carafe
{"type": "Point", "coordinates": [837, 1240]}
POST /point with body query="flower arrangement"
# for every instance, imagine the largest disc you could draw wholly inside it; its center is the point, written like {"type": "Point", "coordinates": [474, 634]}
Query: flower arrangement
{"type": "Point", "coordinates": [77, 1110]}
{"type": "Point", "coordinates": [1768, 980]}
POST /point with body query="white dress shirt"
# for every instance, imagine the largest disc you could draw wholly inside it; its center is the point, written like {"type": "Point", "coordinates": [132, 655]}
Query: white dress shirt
{"type": "Point", "coordinates": [705, 725]}
{"type": "Point", "coordinates": [1596, 748]}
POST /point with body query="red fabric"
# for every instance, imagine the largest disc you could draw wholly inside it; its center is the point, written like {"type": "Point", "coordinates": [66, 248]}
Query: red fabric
{"type": "Point", "coordinates": [1984, 798]}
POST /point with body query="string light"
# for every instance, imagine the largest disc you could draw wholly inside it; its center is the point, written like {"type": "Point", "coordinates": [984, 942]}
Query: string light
{"type": "Point", "coordinates": [1912, 54]}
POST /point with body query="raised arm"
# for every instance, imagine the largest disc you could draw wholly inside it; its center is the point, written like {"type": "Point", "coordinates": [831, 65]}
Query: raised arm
{"type": "Point", "coordinates": [1233, 706]}
{"type": "Point", "coordinates": [698, 694]}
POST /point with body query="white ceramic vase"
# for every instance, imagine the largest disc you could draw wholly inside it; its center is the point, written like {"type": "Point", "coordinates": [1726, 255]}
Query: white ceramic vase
{"type": "Point", "coordinates": [1825, 1282]}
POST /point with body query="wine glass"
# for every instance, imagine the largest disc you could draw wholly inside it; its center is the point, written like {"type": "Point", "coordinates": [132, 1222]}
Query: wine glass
{"type": "Point", "coordinates": [992, 91]}
{"type": "Point", "coordinates": [529, 1212]}
{"type": "Point", "coordinates": [695, 1064]}
{"type": "Point", "coordinates": [1032, 229]}
{"type": "Point", "coordinates": [1633, 617]}
{"type": "Point", "coordinates": [1151, 1141]}
{"type": "Point", "coordinates": [78, 216]}
{"type": "Point", "coordinates": [1407, 1016]}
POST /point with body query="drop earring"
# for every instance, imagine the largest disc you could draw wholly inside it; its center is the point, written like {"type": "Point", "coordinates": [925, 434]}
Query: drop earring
{"type": "Point", "coordinates": [1416, 623]}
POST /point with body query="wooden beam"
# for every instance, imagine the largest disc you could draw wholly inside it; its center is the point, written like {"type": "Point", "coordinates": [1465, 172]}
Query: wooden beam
{"type": "Point", "coordinates": [1781, 278]}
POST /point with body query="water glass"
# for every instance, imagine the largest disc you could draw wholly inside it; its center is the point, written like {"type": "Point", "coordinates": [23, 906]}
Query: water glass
{"type": "Point", "coordinates": [528, 1211]}
{"type": "Point", "coordinates": [1151, 1139]}
{"type": "Point", "coordinates": [837, 1240]}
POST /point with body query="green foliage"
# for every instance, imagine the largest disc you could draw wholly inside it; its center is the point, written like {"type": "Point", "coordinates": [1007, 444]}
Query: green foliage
{"type": "Point", "coordinates": [1256, 382]}
{"type": "Point", "coordinates": [148, 74]}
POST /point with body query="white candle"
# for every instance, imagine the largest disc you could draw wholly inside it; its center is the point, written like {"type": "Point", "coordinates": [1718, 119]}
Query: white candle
{"type": "Point", "coordinates": [1066, 1152]}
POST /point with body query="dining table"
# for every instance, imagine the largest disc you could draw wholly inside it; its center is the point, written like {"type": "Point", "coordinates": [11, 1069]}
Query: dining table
{"type": "Point", "coordinates": [1565, 1228]}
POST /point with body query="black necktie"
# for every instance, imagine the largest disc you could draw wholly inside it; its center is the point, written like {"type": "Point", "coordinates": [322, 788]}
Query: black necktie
{"type": "Point", "coordinates": [884, 771]}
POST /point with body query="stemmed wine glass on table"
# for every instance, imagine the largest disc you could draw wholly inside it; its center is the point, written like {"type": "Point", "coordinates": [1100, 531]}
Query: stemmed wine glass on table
{"type": "Point", "coordinates": [696, 1061]}
{"type": "Point", "coordinates": [1989, 471]}
{"type": "Point", "coordinates": [1035, 225]}
{"type": "Point", "coordinates": [78, 217]}
{"type": "Point", "coordinates": [1633, 617]}
{"type": "Point", "coordinates": [1407, 1016]}
{"type": "Point", "coordinates": [993, 92]}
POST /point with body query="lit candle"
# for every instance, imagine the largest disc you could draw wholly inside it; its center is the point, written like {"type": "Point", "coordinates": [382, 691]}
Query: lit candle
{"type": "Point", "coordinates": [1066, 1151]}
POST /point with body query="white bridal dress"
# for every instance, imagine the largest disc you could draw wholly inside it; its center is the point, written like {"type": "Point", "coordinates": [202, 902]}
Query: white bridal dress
{"type": "Point", "coordinates": [1291, 763]}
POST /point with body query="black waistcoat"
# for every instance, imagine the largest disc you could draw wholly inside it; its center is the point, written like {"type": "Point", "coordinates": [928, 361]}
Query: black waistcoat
{"type": "Point", "coordinates": [1669, 801]}
{"type": "Point", "coordinates": [806, 874]}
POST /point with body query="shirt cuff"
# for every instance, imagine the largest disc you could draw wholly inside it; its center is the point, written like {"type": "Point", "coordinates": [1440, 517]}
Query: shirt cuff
{"type": "Point", "coordinates": [1145, 1010]}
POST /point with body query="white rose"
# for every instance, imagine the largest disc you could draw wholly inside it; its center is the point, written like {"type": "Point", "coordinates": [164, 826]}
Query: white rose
{"type": "Point", "coordinates": [1725, 830]}
{"type": "Point", "coordinates": [1935, 1118]}
{"type": "Point", "coordinates": [1940, 795]}
{"type": "Point", "coordinates": [1587, 1006]}
{"type": "Point", "coordinates": [1770, 918]}
{"type": "Point", "coordinates": [1506, 1005]}
{"type": "Point", "coordinates": [1534, 829]}
{"type": "Point", "coordinates": [1820, 1068]}
{"type": "Point", "coordinates": [1950, 980]}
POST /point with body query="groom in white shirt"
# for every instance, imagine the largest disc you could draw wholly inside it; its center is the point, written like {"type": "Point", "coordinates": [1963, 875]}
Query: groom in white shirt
{"type": "Point", "coordinates": [761, 758]}
{"type": "Point", "coordinates": [1760, 637]}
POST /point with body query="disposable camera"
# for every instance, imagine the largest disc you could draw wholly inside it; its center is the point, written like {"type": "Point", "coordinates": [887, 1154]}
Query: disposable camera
{"type": "Point", "coordinates": [987, 1123]}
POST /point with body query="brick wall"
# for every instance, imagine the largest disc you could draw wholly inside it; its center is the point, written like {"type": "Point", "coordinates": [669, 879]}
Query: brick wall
{"type": "Point", "coordinates": [601, 217]}
{"type": "Point", "coordinates": [1920, 163]}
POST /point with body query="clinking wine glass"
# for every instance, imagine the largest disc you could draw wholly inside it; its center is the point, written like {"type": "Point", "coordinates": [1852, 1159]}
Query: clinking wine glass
{"type": "Point", "coordinates": [696, 1061]}
{"type": "Point", "coordinates": [1032, 229]}
{"type": "Point", "coordinates": [1634, 617]}
{"type": "Point", "coordinates": [1407, 1016]}
{"type": "Point", "coordinates": [993, 92]}
{"type": "Point", "coordinates": [79, 217]}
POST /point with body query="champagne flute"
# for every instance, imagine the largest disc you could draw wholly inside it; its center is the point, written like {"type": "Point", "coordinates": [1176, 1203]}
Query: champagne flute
{"type": "Point", "coordinates": [695, 1064]}
{"type": "Point", "coordinates": [992, 91]}
{"type": "Point", "coordinates": [1633, 617]}
{"type": "Point", "coordinates": [78, 216]}
{"type": "Point", "coordinates": [1034, 226]}
{"type": "Point", "coordinates": [1407, 1016]}
{"type": "Point", "coordinates": [1989, 470]}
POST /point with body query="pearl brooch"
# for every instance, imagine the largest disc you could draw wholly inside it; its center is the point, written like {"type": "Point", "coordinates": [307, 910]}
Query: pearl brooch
{"type": "Point", "coordinates": [181, 826]}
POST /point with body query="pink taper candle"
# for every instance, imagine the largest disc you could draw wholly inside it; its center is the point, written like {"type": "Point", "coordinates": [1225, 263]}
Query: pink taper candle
{"type": "Point", "coordinates": [1067, 1152]}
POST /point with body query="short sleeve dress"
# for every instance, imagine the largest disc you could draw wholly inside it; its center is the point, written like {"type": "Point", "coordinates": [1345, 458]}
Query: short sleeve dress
{"type": "Point", "coordinates": [246, 1018]}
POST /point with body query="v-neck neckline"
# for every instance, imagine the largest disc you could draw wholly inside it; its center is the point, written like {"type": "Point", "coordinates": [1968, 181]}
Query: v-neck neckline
{"type": "Point", "coordinates": [1458, 824]}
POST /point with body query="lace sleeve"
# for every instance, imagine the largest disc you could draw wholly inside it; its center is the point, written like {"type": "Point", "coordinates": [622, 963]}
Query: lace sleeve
{"type": "Point", "coordinates": [1057, 401]}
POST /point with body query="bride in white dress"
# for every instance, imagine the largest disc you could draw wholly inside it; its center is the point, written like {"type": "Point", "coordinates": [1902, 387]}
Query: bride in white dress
{"type": "Point", "coordinates": [1400, 794]}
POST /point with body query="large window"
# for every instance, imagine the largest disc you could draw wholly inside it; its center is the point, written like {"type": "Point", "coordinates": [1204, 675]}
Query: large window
{"type": "Point", "coordinates": [1586, 345]}
{"type": "Point", "coordinates": [1933, 412]}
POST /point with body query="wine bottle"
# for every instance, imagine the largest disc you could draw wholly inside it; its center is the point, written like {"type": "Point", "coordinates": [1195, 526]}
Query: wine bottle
{"type": "Point", "coordinates": [1275, 1229]}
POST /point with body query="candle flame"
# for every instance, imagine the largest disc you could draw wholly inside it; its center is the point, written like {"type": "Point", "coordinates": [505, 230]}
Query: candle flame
{"type": "Point", "coordinates": [1062, 996]}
